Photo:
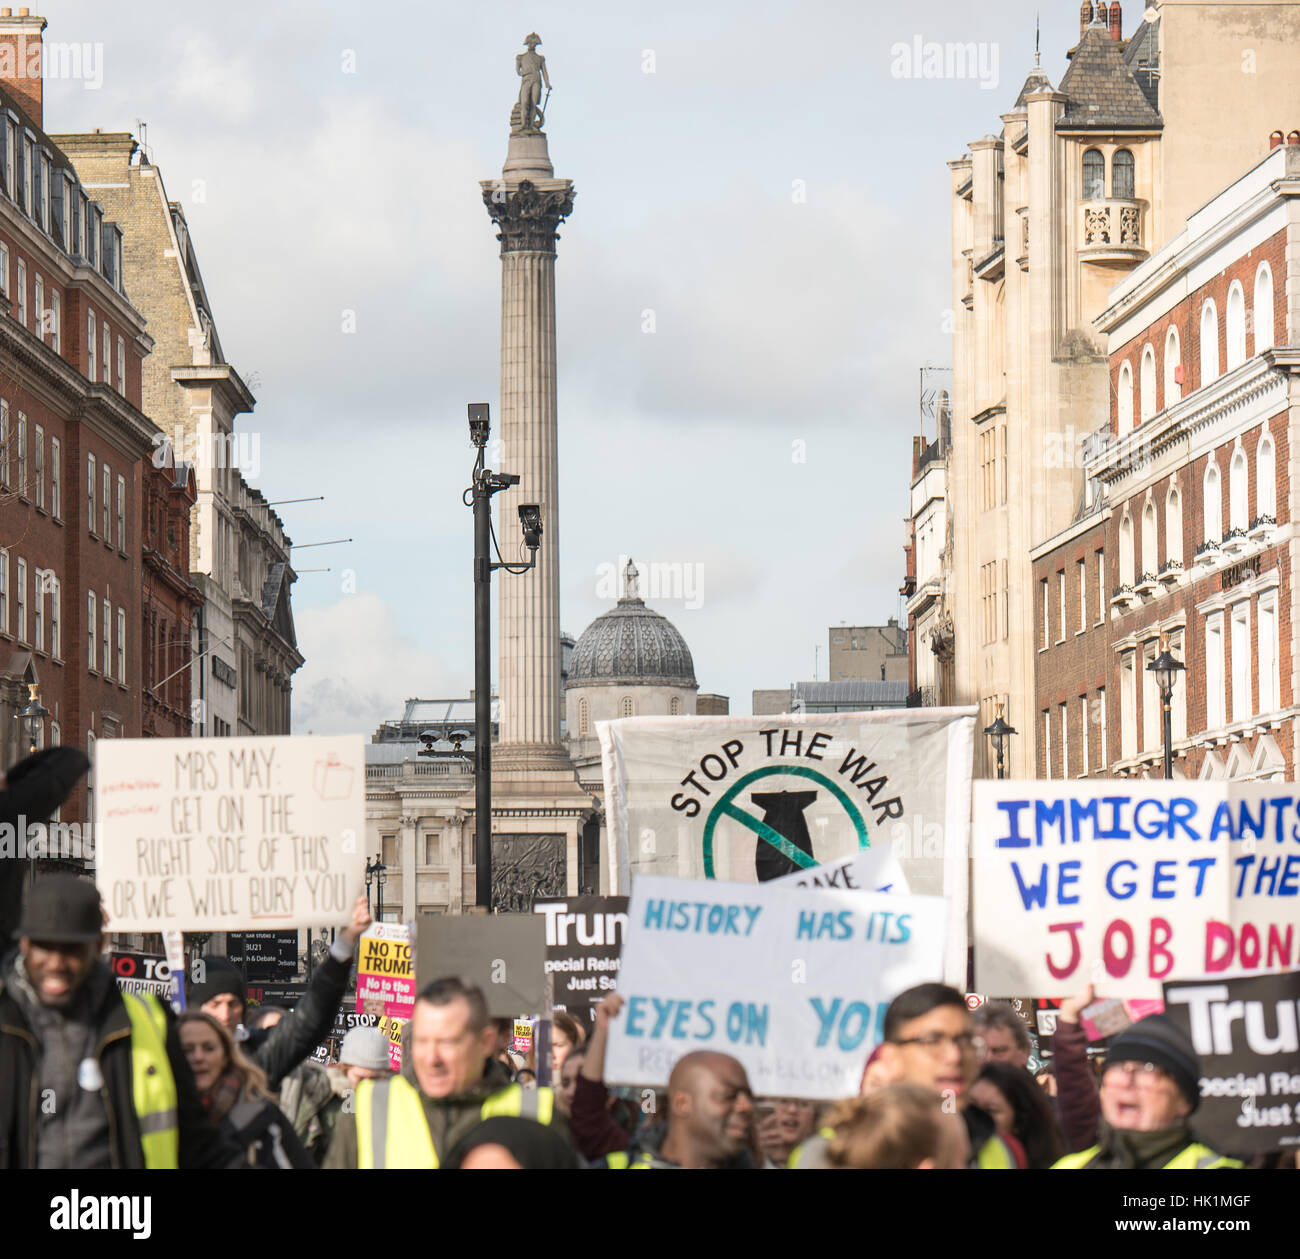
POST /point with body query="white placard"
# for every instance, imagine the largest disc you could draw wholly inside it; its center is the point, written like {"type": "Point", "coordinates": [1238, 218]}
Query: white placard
{"type": "Point", "coordinates": [230, 834]}
{"type": "Point", "coordinates": [793, 982]}
{"type": "Point", "coordinates": [1126, 884]}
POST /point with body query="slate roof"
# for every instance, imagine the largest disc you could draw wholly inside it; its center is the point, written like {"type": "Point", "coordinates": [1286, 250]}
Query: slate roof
{"type": "Point", "coordinates": [1036, 82]}
{"type": "Point", "coordinates": [1103, 94]}
{"type": "Point", "coordinates": [1142, 56]}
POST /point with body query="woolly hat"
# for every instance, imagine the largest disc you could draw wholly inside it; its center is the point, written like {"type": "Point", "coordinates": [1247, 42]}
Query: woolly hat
{"type": "Point", "coordinates": [365, 1047]}
{"type": "Point", "coordinates": [1159, 1040]}
{"type": "Point", "coordinates": [220, 976]}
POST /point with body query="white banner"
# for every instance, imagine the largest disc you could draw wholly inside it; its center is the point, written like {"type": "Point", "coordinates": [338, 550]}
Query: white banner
{"type": "Point", "coordinates": [1128, 883]}
{"type": "Point", "coordinates": [792, 982]}
{"type": "Point", "coordinates": [753, 799]}
{"type": "Point", "coordinates": [230, 834]}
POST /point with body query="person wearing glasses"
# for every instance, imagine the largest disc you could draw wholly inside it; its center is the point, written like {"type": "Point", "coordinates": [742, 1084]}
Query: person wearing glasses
{"type": "Point", "coordinates": [930, 1041]}
{"type": "Point", "coordinates": [1149, 1089]}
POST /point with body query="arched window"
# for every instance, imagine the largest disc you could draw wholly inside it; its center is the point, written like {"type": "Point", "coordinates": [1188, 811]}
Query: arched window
{"type": "Point", "coordinates": [1150, 553]}
{"type": "Point", "coordinates": [1121, 174]}
{"type": "Point", "coordinates": [1238, 496]}
{"type": "Point", "coordinates": [675, 707]}
{"type": "Point", "coordinates": [1213, 504]}
{"type": "Point", "coordinates": [1173, 527]}
{"type": "Point", "coordinates": [1148, 397]}
{"type": "Point", "coordinates": [1265, 480]}
{"type": "Point", "coordinates": [1094, 175]}
{"type": "Point", "coordinates": [625, 709]}
{"type": "Point", "coordinates": [1263, 309]}
{"type": "Point", "coordinates": [1126, 560]}
{"type": "Point", "coordinates": [1125, 400]}
{"type": "Point", "coordinates": [1236, 326]}
{"type": "Point", "coordinates": [1173, 361]}
{"type": "Point", "coordinates": [1209, 344]}
{"type": "Point", "coordinates": [584, 719]}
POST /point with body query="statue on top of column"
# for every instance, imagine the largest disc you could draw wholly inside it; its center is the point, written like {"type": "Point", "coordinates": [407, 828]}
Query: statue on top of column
{"type": "Point", "coordinates": [529, 112]}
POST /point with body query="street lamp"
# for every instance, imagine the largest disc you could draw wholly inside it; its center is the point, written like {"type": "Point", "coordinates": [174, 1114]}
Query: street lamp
{"type": "Point", "coordinates": [1166, 668]}
{"type": "Point", "coordinates": [1001, 734]}
{"type": "Point", "coordinates": [479, 496]}
{"type": "Point", "coordinates": [376, 873]}
{"type": "Point", "coordinates": [32, 715]}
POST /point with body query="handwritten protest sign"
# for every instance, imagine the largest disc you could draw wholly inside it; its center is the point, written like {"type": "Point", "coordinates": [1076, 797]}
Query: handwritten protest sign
{"type": "Point", "coordinates": [753, 799]}
{"type": "Point", "coordinates": [1126, 884]}
{"type": "Point", "coordinates": [873, 870]}
{"type": "Point", "coordinates": [1244, 1033]}
{"type": "Point", "coordinates": [230, 834]}
{"type": "Point", "coordinates": [793, 982]}
{"type": "Point", "coordinates": [386, 971]}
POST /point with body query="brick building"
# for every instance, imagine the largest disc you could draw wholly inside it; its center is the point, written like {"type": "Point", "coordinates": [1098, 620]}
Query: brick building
{"type": "Point", "coordinates": [72, 440]}
{"type": "Point", "coordinates": [1195, 541]}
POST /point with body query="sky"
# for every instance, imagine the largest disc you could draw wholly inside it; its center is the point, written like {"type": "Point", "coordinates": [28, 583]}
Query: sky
{"type": "Point", "coordinates": [757, 265]}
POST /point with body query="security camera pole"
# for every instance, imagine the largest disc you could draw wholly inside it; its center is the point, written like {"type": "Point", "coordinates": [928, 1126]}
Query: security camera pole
{"type": "Point", "coordinates": [479, 496]}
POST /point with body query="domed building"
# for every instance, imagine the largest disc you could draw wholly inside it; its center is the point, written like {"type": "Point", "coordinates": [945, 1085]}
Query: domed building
{"type": "Point", "coordinates": [629, 662]}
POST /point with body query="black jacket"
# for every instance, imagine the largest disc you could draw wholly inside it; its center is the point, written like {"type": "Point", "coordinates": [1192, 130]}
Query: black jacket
{"type": "Point", "coordinates": [201, 1145]}
{"type": "Point", "coordinates": [267, 1138]}
{"type": "Point", "coordinates": [296, 1035]}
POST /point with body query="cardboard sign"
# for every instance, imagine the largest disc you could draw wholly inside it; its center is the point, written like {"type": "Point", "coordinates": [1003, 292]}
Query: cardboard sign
{"type": "Point", "coordinates": [1244, 1032]}
{"type": "Point", "coordinates": [584, 940]}
{"type": "Point", "coordinates": [230, 834]}
{"type": "Point", "coordinates": [753, 799]}
{"type": "Point", "coordinates": [793, 982]}
{"type": "Point", "coordinates": [386, 971]}
{"type": "Point", "coordinates": [1127, 884]}
{"type": "Point", "coordinates": [141, 972]}
{"type": "Point", "coordinates": [873, 870]}
{"type": "Point", "coordinates": [503, 954]}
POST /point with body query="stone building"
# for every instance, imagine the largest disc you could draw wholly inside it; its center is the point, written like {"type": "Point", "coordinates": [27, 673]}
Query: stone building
{"type": "Point", "coordinates": [1079, 186]}
{"type": "Point", "coordinates": [867, 653]}
{"type": "Point", "coordinates": [73, 442]}
{"type": "Point", "coordinates": [1195, 548]}
{"type": "Point", "coordinates": [244, 648]}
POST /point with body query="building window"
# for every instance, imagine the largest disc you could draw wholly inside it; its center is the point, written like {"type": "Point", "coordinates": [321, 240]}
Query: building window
{"type": "Point", "coordinates": [1242, 705]}
{"type": "Point", "coordinates": [1127, 706]}
{"type": "Point", "coordinates": [92, 656]}
{"type": "Point", "coordinates": [1265, 479]}
{"type": "Point", "coordinates": [121, 645]}
{"type": "Point", "coordinates": [106, 502]}
{"type": "Point", "coordinates": [108, 351]}
{"type": "Point", "coordinates": [1065, 742]}
{"type": "Point", "coordinates": [121, 513]}
{"type": "Point", "coordinates": [1127, 560]}
{"type": "Point", "coordinates": [90, 492]}
{"type": "Point", "coordinates": [1236, 338]}
{"type": "Point", "coordinates": [1173, 528]}
{"type": "Point", "coordinates": [38, 608]}
{"type": "Point", "coordinates": [56, 472]}
{"type": "Point", "coordinates": [56, 619]}
{"type": "Point", "coordinates": [92, 337]}
{"type": "Point", "coordinates": [1047, 743]}
{"type": "Point", "coordinates": [38, 293]}
{"type": "Point", "coordinates": [1085, 732]}
{"type": "Point", "coordinates": [4, 590]}
{"type": "Point", "coordinates": [39, 468]}
{"type": "Point", "coordinates": [22, 292]}
{"type": "Point", "coordinates": [1209, 344]}
{"type": "Point", "coordinates": [1006, 602]}
{"type": "Point", "coordinates": [1173, 366]}
{"type": "Point", "coordinates": [1214, 673]}
{"type": "Point", "coordinates": [54, 318]}
{"type": "Point", "coordinates": [1094, 175]}
{"type": "Point", "coordinates": [625, 708]}
{"type": "Point", "coordinates": [1263, 309]}
{"type": "Point", "coordinates": [1121, 174]}
{"type": "Point", "coordinates": [21, 601]}
{"type": "Point", "coordinates": [1178, 701]}
{"type": "Point", "coordinates": [584, 719]}
{"type": "Point", "coordinates": [5, 452]}
{"type": "Point", "coordinates": [675, 707]}
{"type": "Point", "coordinates": [1238, 496]}
{"type": "Point", "coordinates": [1083, 595]}
{"type": "Point", "coordinates": [1213, 504]}
{"type": "Point", "coordinates": [1060, 585]}
{"type": "Point", "coordinates": [1125, 400]}
{"type": "Point", "coordinates": [121, 366]}
{"type": "Point", "coordinates": [1270, 691]}
{"type": "Point", "coordinates": [1151, 732]}
{"type": "Point", "coordinates": [1103, 752]}
{"type": "Point", "coordinates": [1148, 382]}
{"type": "Point", "coordinates": [1047, 612]}
{"type": "Point", "coordinates": [1150, 551]}
{"type": "Point", "coordinates": [108, 638]}
{"type": "Point", "coordinates": [24, 489]}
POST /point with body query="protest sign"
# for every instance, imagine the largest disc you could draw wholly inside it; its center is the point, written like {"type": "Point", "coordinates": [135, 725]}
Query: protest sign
{"type": "Point", "coordinates": [386, 971]}
{"type": "Point", "coordinates": [393, 1029]}
{"type": "Point", "coordinates": [873, 870]}
{"type": "Point", "coordinates": [523, 1037]}
{"type": "Point", "coordinates": [230, 834]}
{"type": "Point", "coordinates": [750, 799]}
{"type": "Point", "coordinates": [503, 954]}
{"type": "Point", "coordinates": [1244, 1032]}
{"type": "Point", "coordinates": [1125, 884]}
{"type": "Point", "coordinates": [793, 982]}
{"type": "Point", "coordinates": [141, 972]}
{"type": "Point", "coordinates": [584, 937]}
{"type": "Point", "coordinates": [269, 957]}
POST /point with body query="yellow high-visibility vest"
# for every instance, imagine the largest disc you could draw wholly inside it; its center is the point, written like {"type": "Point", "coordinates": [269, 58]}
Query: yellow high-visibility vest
{"type": "Point", "coordinates": [153, 1088]}
{"type": "Point", "coordinates": [1194, 1157]}
{"type": "Point", "coordinates": [393, 1132]}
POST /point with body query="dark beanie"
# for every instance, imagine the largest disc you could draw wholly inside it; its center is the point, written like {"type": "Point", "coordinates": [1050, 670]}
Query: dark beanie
{"type": "Point", "coordinates": [535, 1146]}
{"type": "Point", "coordinates": [1159, 1040]}
{"type": "Point", "coordinates": [220, 976]}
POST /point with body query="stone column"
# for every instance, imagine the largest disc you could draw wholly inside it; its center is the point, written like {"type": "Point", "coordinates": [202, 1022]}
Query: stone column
{"type": "Point", "coordinates": [455, 860]}
{"type": "Point", "coordinates": [408, 842]}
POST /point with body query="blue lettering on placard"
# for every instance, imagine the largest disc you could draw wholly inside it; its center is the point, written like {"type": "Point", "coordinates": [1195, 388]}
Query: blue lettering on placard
{"type": "Point", "coordinates": [1067, 873]}
{"type": "Point", "coordinates": [1202, 866]}
{"type": "Point", "coordinates": [1031, 894]}
{"type": "Point", "coordinates": [747, 1023]}
{"type": "Point", "coordinates": [705, 1010]}
{"type": "Point", "coordinates": [1222, 822]}
{"type": "Point", "coordinates": [701, 916]}
{"type": "Point", "coordinates": [824, 926]}
{"type": "Point", "coordinates": [1049, 813]}
{"type": "Point", "coordinates": [853, 1020]}
{"type": "Point", "coordinates": [904, 926]}
{"type": "Point", "coordinates": [1162, 875]}
{"type": "Point", "coordinates": [1013, 838]}
{"type": "Point", "coordinates": [1287, 885]}
{"type": "Point", "coordinates": [635, 1009]}
{"type": "Point", "coordinates": [1148, 830]}
{"type": "Point", "coordinates": [1129, 888]}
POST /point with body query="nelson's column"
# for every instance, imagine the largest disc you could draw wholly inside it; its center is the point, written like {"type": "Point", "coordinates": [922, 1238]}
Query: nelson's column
{"type": "Point", "coordinates": [538, 808]}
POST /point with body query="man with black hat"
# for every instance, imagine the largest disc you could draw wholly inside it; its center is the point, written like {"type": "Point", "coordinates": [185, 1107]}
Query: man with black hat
{"type": "Point", "coordinates": [1149, 1089]}
{"type": "Point", "coordinates": [93, 1078]}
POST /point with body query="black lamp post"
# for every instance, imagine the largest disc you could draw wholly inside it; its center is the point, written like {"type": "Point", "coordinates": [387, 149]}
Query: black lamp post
{"type": "Point", "coordinates": [1166, 668]}
{"type": "Point", "coordinates": [32, 715]}
{"type": "Point", "coordinates": [1000, 733]}
{"type": "Point", "coordinates": [376, 873]}
{"type": "Point", "coordinates": [479, 496]}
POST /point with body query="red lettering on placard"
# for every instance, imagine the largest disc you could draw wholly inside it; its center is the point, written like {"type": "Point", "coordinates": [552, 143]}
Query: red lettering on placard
{"type": "Point", "coordinates": [1158, 947]}
{"type": "Point", "coordinates": [1115, 965]}
{"type": "Point", "coordinates": [1218, 933]}
{"type": "Point", "coordinates": [1249, 946]}
{"type": "Point", "coordinates": [1061, 972]}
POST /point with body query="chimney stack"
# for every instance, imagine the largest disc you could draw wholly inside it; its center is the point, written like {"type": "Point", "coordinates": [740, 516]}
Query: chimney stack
{"type": "Point", "coordinates": [1085, 16]}
{"type": "Point", "coordinates": [1293, 137]}
{"type": "Point", "coordinates": [1274, 141]}
{"type": "Point", "coordinates": [1116, 21]}
{"type": "Point", "coordinates": [22, 51]}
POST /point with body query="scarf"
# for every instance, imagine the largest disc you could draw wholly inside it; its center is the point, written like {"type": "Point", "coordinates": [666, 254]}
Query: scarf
{"type": "Point", "coordinates": [223, 1095]}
